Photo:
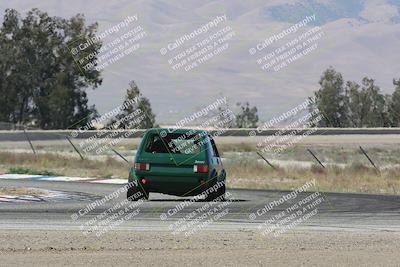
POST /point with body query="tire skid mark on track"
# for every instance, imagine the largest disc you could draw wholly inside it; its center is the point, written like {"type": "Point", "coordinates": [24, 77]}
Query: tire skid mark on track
{"type": "Point", "coordinates": [47, 196]}
{"type": "Point", "coordinates": [62, 179]}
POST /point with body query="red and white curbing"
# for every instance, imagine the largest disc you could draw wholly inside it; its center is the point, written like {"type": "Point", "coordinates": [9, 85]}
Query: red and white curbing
{"type": "Point", "coordinates": [45, 196]}
{"type": "Point", "coordinates": [62, 179]}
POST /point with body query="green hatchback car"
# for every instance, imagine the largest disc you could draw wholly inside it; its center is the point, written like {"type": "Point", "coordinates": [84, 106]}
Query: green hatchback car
{"type": "Point", "coordinates": [180, 162]}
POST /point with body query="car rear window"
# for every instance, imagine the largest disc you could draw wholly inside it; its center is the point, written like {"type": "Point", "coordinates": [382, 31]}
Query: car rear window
{"type": "Point", "coordinates": [174, 143]}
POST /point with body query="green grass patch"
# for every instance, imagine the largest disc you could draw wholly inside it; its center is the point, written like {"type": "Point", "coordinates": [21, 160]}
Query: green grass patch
{"type": "Point", "coordinates": [22, 170]}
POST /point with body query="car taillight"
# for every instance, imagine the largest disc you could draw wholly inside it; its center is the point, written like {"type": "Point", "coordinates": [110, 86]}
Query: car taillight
{"type": "Point", "coordinates": [142, 166]}
{"type": "Point", "coordinates": [200, 168]}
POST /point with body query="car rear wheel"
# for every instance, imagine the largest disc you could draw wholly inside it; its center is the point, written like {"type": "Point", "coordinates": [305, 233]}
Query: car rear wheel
{"type": "Point", "coordinates": [219, 194]}
{"type": "Point", "coordinates": [132, 194]}
{"type": "Point", "coordinates": [210, 196]}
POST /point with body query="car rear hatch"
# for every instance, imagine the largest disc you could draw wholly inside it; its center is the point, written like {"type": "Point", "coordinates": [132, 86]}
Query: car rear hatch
{"type": "Point", "coordinates": [173, 165]}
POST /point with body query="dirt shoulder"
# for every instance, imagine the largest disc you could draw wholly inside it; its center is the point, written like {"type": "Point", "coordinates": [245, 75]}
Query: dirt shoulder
{"type": "Point", "coordinates": [243, 248]}
{"type": "Point", "coordinates": [13, 191]}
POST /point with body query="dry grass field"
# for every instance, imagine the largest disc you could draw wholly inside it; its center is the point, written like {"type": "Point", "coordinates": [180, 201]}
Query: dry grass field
{"type": "Point", "coordinates": [21, 191]}
{"type": "Point", "coordinates": [245, 170]}
{"type": "Point", "coordinates": [346, 168]}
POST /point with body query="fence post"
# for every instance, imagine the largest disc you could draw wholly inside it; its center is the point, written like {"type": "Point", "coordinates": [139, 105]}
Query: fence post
{"type": "Point", "coordinates": [119, 155]}
{"type": "Point", "coordinates": [30, 143]}
{"type": "Point", "coordinates": [269, 163]}
{"type": "Point", "coordinates": [370, 160]}
{"type": "Point", "coordinates": [315, 157]}
{"type": "Point", "coordinates": [77, 151]}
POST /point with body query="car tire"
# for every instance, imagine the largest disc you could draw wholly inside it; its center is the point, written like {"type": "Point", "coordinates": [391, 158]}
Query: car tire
{"type": "Point", "coordinates": [221, 193]}
{"type": "Point", "coordinates": [132, 191]}
{"type": "Point", "coordinates": [210, 196]}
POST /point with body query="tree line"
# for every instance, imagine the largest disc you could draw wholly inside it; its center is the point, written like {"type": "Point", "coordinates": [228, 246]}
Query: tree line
{"type": "Point", "coordinates": [350, 104]}
{"type": "Point", "coordinates": [42, 86]}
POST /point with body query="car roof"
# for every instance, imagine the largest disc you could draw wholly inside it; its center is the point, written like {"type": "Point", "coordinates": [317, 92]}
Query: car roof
{"type": "Point", "coordinates": [174, 130]}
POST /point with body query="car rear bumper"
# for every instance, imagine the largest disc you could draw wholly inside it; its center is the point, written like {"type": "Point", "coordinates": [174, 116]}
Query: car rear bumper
{"type": "Point", "coordinates": [174, 185]}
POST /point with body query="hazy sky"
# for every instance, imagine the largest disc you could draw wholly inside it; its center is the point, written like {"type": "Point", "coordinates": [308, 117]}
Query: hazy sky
{"type": "Point", "coordinates": [358, 38]}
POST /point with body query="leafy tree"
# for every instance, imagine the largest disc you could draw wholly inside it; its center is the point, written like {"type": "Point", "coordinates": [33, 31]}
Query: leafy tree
{"type": "Point", "coordinates": [227, 119]}
{"type": "Point", "coordinates": [222, 117]}
{"type": "Point", "coordinates": [366, 106]}
{"type": "Point", "coordinates": [133, 104]}
{"type": "Point", "coordinates": [330, 100]}
{"type": "Point", "coordinates": [354, 104]}
{"type": "Point", "coordinates": [39, 79]}
{"type": "Point", "coordinates": [373, 105]}
{"type": "Point", "coordinates": [394, 106]}
{"type": "Point", "coordinates": [247, 117]}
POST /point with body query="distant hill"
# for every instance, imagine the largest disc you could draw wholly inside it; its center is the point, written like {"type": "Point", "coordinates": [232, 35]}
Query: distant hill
{"type": "Point", "coordinates": [361, 38]}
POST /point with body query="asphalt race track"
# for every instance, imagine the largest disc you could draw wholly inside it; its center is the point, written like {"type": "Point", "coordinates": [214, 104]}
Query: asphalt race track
{"type": "Point", "coordinates": [354, 212]}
